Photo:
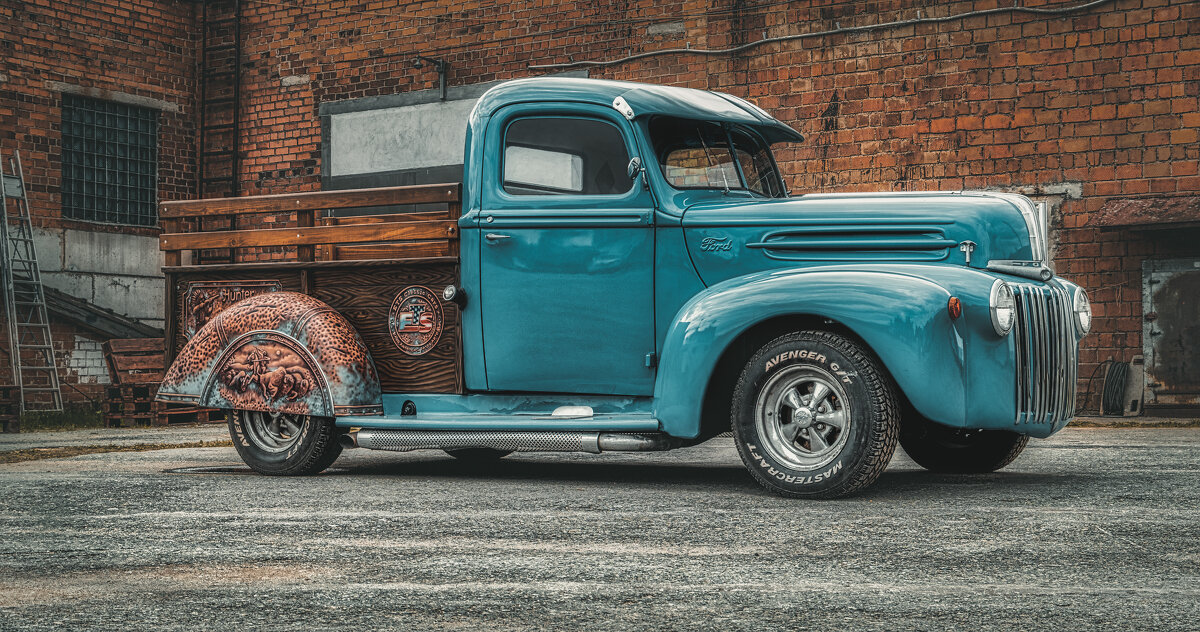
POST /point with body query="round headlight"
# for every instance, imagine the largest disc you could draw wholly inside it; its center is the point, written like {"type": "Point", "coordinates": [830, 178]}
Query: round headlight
{"type": "Point", "coordinates": [1083, 311]}
{"type": "Point", "coordinates": [1003, 306]}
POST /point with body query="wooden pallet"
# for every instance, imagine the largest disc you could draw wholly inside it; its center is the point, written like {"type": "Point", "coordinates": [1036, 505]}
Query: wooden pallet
{"type": "Point", "coordinates": [136, 367]}
{"type": "Point", "coordinates": [10, 412]}
{"type": "Point", "coordinates": [132, 420]}
{"type": "Point", "coordinates": [177, 414]}
{"type": "Point", "coordinates": [135, 361]}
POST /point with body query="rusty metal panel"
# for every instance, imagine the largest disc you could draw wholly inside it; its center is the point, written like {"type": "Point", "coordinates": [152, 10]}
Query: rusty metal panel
{"type": "Point", "coordinates": [1161, 212]}
{"type": "Point", "coordinates": [276, 352]}
{"type": "Point", "coordinates": [1171, 331]}
{"type": "Point", "coordinates": [202, 300]}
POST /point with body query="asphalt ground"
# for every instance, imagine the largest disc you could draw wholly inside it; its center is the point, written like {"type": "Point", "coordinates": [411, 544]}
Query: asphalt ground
{"type": "Point", "coordinates": [1095, 528]}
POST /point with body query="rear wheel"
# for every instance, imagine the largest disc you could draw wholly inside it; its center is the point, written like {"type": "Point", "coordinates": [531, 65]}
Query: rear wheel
{"type": "Point", "coordinates": [814, 416]}
{"type": "Point", "coordinates": [941, 448]}
{"type": "Point", "coordinates": [282, 444]}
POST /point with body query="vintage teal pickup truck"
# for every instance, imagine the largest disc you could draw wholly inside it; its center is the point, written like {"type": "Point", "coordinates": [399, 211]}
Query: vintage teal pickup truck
{"type": "Point", "coordinates": [628, 272]}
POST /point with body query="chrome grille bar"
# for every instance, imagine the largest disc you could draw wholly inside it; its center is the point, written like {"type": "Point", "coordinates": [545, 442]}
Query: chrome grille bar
{"type": "Point", "coordinates": [1045, 353]}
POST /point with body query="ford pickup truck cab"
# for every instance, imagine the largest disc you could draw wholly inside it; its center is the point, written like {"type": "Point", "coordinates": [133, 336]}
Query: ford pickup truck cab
{"type": "Point", "coordinates": [634, 275]}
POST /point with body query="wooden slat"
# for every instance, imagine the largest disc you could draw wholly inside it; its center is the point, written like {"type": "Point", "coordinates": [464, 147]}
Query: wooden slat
{"type": "Point", "coordinates": [312, 201]}
{"type": "Point", "coordinates": [260, 268]}
{"type": "Point", "coordinates": [142, 378]}
{"type": "Point", "coordinates": [138, 362]}
{"type": "Point", "coordinates": [439, 248]}
{"type": "Point", "coordinates": [380, 219]}
{"type": "Point", "coordinates": [170, 343]}
{"type": "Point", "coordinates": [362, 233]}
{"type": "Point", "coordinates": [134, 345]}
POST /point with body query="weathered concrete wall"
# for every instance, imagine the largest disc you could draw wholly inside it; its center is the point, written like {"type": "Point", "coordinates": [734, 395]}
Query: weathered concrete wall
{"type": "Point", "coordinates": [116, 271]}
{"type": "Point", "coordinates": [1076, 109]}
{"type": "Point", "coordinates": [139, 52]}
{"type": "Point", "coordinates": [405, 137]}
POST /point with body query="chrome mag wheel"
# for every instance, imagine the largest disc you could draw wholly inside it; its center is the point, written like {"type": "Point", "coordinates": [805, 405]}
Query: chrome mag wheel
{"type": "Point", "coordinates": [803, 417]}
{"type": "Point", "coordinates": [272, 432]}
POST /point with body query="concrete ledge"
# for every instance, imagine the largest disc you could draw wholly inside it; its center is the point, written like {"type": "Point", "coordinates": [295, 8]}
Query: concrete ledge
{"type": "Point", "coordinates": [113, 95]}
{"type": "Point", "coordinates": [91, 437]}
{"type": "Point", "coordinates": [1135, 422]}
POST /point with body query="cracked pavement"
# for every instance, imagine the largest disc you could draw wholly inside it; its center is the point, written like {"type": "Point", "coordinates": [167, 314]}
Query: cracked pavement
{"type": "Point", "coordinates": [1094, 528]}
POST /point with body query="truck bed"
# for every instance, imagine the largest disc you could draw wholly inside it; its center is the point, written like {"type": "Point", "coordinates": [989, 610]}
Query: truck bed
{"type": "Point", "coordinates": [357, 265]}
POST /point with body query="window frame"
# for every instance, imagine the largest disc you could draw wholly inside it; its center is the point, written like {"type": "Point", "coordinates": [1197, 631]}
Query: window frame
{"type": "Point", "coordinates": [726, 130]}
{"type": "Point", "coordinates": [71, 109]}
{"type": "Point", "coordinates": [502, 194]}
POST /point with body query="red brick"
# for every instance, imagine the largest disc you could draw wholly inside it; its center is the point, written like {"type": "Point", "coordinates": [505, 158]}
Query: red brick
{"type": "Point", "coordinates": [1035, 100]}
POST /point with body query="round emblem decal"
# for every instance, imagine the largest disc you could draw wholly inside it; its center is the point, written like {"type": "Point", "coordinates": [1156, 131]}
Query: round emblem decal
{"type": "Point", "coordinates": [415, 320]}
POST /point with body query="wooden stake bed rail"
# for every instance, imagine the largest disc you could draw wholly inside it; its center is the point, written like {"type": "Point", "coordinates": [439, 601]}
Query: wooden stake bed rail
{"type": "Point", "coordinates": [307, 228]}
{"type": "Point", "coordinates": [356, 264]}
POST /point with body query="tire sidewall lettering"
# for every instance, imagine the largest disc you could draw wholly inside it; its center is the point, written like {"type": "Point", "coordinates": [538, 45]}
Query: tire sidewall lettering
{"type": "Point", "coordinates": [780, 474]}
{"type": "Point", "coordinates": [315, 438]}
{"type": "Point", "coordinates": [792, 357]}
{"type": "Point", "coordinates": [239, 433]}
{"type": "Point", "coordinates": [300, 442]}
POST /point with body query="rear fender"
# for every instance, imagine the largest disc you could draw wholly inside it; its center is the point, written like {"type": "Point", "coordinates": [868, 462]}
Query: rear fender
{"type": "Point", "coordinates": [276, 352]}
{"type": "Point", "coordinates": [901, 317]}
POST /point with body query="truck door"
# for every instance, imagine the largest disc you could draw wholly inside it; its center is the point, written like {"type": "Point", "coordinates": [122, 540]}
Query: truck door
{"type": "Point", "coordinates": [567, 250]}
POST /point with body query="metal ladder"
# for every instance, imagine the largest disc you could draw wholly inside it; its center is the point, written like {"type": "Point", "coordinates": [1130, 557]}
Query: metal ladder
{"type": "Point", "coordinates": [31, 350]}
{"type": "Point", "coordinates": [220, 124]}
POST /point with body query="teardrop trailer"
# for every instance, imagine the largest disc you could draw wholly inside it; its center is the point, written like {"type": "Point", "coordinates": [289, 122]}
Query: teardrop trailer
{"type": "Point", "coordinates": [623, 269]}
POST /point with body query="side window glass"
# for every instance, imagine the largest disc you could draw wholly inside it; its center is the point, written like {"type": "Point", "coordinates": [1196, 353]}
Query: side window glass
{"type": "Point", "coordinates": [564, 156]}
{"type": "Point", "coordinates": [698, 157]}
{"type": "Point", "coordinates": [755, 159]}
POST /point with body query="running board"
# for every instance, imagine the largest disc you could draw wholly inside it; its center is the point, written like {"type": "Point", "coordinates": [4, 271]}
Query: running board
{"type": "Point", "coordinates": [515, 441]}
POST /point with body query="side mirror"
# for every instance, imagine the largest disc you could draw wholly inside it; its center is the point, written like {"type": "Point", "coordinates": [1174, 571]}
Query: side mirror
{"type": "Point", "coordinates": [634, 168]}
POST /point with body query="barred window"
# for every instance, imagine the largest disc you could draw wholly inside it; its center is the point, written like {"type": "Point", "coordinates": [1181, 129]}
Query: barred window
{"type": "Point", "coordinates": [109, 162]}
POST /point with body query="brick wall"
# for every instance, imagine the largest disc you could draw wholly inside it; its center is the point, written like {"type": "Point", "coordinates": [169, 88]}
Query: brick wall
{"type": "Point", "coordinates": [138, 51]}
{"type": "Point", "coordinates": [1074, 109]}
{"type": "Point", "coordinates": [143, 48]}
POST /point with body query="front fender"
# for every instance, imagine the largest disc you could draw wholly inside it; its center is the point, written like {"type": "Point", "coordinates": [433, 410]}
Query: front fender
{"type": "Point", "coordinates": [900, 315]}
{"type": "Point", "coordinates": [276, 352]}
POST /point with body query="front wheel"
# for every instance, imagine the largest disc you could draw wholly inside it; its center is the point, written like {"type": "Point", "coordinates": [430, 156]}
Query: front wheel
{"type": "Point", "coordinates": [941, 448]}
{"type": "Point", "coordinates": [814, 416]}
{"type": "Point", "coordinates": [282, 444]}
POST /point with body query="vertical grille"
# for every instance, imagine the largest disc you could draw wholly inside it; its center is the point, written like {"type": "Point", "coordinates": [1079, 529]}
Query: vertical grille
{"type": "Point", "coordinates": [1046, 355]}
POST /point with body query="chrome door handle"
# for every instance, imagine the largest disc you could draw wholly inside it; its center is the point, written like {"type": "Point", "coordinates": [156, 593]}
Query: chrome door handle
{"type": "Point", "coordinates": [496, 237]}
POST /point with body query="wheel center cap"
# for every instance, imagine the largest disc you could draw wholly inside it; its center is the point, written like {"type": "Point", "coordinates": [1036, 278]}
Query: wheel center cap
{"type": "Point", "coordinates": [803, 416]}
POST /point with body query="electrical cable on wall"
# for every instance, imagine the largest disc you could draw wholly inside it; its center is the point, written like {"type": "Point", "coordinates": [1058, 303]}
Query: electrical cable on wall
{"type": "Point", "coordinates": [835, 31]}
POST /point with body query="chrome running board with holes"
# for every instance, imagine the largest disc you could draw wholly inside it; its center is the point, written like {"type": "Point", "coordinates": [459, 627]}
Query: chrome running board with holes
{"type": "Point", "coordinates": [516, 441]}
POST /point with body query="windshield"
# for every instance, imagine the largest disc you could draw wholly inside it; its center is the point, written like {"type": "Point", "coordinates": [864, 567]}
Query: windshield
{"type": "Point", "coordinates": [707, 155]}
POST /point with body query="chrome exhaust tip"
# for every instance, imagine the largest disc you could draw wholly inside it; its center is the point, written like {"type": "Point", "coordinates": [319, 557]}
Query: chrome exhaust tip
{"type": "Point", "coordinates": [349, 440]}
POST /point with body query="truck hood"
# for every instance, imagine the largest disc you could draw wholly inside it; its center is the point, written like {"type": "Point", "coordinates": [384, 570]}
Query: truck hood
{"type": "Point", "coordinates": [733, 237]}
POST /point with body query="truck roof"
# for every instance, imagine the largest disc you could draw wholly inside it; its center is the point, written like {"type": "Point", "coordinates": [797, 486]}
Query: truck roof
{"type": "Point", "coordinates": [644, 99]}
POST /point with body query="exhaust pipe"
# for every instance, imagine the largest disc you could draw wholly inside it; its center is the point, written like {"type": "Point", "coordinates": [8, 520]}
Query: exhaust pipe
{"type": "Point", "coordinates": [349, 440]}
{"type": "Point", "coordinates": [613, 442]}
